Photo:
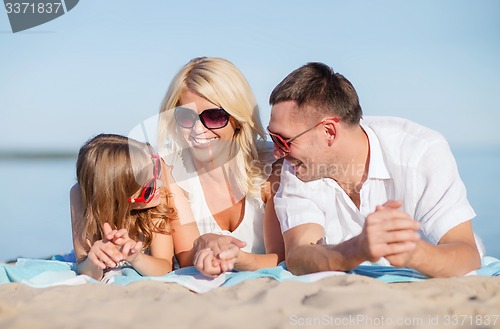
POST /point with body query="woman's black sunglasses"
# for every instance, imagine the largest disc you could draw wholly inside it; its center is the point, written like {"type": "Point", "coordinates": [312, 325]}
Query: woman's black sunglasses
{"type": "Point", "coordinates": [211, 118]}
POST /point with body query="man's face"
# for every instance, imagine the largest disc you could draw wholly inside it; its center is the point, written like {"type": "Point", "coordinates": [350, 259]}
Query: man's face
{"type": "Point", "coordinates": [307, 152]}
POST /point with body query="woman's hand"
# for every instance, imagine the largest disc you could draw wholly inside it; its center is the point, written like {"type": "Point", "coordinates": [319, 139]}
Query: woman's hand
{"type": "Point", "coordinates": [205, 261]}
{"type": "Point", "coordinates": [215, 254]}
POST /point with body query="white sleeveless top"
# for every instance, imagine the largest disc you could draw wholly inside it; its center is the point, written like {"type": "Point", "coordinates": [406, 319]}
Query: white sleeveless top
{"type": "Point", "coordinates": [250, 229]}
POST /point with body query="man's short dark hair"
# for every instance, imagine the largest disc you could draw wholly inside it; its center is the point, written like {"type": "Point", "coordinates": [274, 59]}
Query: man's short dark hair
{"type": "Point", "coordinates": [317, 85]}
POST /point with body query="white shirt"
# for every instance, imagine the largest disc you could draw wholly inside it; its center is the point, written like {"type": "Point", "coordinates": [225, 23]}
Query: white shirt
{"type": "Point", "coordinates": [408, 162]}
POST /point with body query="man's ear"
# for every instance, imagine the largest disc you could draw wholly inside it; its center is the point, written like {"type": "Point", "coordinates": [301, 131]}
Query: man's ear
{"type": "Point", "coordinates": [330, 127]}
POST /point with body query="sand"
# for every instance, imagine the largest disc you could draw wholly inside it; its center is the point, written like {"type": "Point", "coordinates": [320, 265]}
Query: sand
{"type": "Point", "coordinates": [340, 301]}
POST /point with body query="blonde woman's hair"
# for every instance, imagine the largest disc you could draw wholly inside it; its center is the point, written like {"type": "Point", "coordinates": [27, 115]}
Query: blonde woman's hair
{"type": "Point", "coordinates": [221, 83]}
{"type": "Point", "coordinates": [110, 169]}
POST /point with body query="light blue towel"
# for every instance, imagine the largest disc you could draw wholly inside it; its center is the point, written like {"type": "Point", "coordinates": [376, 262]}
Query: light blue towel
{"type": "Point", "coordinates": [46, 273]}
{"type": "Point", "coordinates": [40, 273]}
{"type": "Point", "coordinates": [390, 274]}
{"type": "Point", "coordinates": [490, 266]}
{"type": "Point", "coordinates": [192, 279]}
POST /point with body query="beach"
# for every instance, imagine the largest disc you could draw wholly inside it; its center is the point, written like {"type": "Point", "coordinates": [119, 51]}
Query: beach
{"type": "Point", "coordinates": [346, 301]}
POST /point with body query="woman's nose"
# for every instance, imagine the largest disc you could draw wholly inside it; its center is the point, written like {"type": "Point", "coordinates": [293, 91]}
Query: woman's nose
{"type": "Point", "coordinates": [198, 127]}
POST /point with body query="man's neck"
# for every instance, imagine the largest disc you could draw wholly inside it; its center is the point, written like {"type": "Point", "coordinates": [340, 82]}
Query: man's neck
{"type": "Point", "coordinates": [354, 164]}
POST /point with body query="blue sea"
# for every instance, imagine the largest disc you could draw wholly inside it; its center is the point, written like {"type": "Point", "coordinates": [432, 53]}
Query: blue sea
{"type": "Point", "coordinates": [35, 216]}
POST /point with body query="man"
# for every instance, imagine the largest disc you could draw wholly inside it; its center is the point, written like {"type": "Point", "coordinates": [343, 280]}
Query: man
{"type": "Point", "coordinates": [379, 189]}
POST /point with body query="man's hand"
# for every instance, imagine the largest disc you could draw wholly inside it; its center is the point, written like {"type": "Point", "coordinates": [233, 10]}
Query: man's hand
{"type": "Point", "coordinates": [390, 233]}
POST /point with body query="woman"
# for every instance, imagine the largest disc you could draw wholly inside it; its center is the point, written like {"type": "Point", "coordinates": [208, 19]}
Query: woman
{"type": "Point", "coordinates": [210, 131]}
{"type": "Point", "coordinates": [120, 207]}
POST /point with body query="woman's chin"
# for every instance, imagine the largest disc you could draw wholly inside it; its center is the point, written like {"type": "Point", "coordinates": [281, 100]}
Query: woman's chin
{"type": "Point", "coordinates": [205, 153]}
{"type": "Point", "coordinates": [202, 157]}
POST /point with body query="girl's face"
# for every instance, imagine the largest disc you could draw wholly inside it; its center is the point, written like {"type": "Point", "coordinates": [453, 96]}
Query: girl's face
{"type": "Point", "coordinates": [205, 144]}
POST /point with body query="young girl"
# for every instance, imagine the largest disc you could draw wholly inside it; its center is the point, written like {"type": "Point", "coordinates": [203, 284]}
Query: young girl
{"type": "Point", "coordinates": [121, 208]}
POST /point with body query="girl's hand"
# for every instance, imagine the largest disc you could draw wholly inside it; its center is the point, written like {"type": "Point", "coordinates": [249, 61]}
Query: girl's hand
{"type": "Point", "coordinates": [131, 250]}
{"type": "Point", "coordinates": [104, 253]}
{"type": "Point", "coordinates": [118, 237]}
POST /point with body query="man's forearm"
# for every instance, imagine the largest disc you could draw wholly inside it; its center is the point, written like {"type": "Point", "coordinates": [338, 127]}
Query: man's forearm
{"type": "Point", "coordinates": [312, 258]}
{"type": "Point", "coordinates": [445, 260]}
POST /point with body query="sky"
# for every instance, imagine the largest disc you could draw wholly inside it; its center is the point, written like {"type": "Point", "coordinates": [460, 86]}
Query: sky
{"type": "Point", "coordinates": [105, 65]}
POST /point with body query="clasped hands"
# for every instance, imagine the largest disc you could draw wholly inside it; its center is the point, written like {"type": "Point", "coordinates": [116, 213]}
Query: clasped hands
{"type": "Point", "coordinates": [216, 254]}
{"type": "Point", "coordinates": [115, 246]}
{"type": "Point", "coordinates": [391, 233]}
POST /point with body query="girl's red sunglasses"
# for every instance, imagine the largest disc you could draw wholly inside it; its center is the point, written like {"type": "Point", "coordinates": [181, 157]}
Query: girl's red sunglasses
{"type": "Point", "coordinates": [149, 190]}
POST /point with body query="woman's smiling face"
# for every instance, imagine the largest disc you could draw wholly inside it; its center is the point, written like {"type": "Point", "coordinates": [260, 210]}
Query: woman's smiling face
{"type": "Point", "coordinates": [205, 144]}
